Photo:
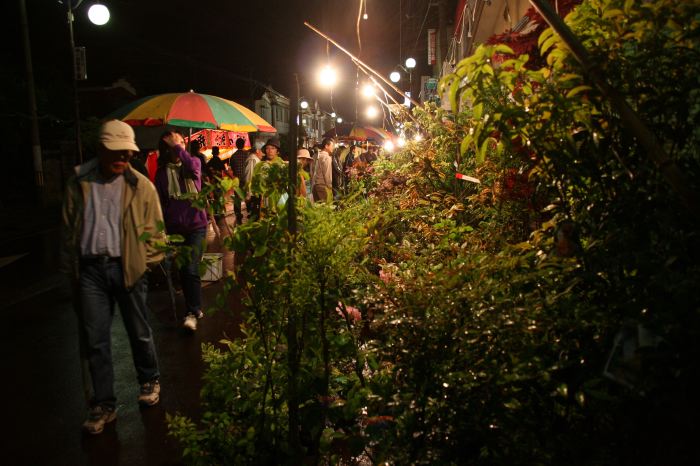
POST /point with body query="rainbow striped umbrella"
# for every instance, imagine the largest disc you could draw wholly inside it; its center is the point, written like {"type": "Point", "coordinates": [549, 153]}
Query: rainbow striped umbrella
{"type": "Point", "coordinates": [358, 133]}
{"type": "Point", "coordinates": [192, 110]}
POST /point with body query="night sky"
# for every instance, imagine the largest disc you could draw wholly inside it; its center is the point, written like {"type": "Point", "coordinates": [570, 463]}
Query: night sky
{"type": "Point", "coordinates": [173, 46]}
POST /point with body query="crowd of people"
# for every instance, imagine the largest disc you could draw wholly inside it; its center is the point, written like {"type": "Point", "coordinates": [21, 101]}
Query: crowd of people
{"type": "Point", "coordinates": [115, 221]}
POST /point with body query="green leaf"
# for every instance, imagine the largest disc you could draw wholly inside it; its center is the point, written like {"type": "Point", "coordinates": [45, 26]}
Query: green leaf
{"type": "Point", "coordinates": [464, 146]}
{"type": "Point", "coordinates": [260, 250]}
{"type": "Point", "coordinates": [481, 154]}
{"type": "Point", "coordinates": [477, 110]}
{"type": "Point", "coordinates": [176, 238]}
{"type": "Point", "coordinates": [546, 34]}
{"type": "Point", "coordinates": [547, 44]}
{"type": "Point", "coordinates": [454, 92]}
{"type": "Point", "coordinates": [612, 13]}
{"type": "Point", "coordinates": [502, 48]}
{"type": "Point", "coordinates": [577, 90]}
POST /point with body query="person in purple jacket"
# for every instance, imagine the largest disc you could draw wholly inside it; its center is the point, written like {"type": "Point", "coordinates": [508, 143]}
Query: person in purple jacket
{"type": "Point", "coordinates": [178, 174]}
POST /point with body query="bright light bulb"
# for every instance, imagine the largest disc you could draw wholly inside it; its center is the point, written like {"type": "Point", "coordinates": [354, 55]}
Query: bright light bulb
{"type": "Point", "coordinates": [365, 16]}
{"type": "Point", "coordinates": [98, 14]}
{"type": "Point", "coordinates": [328, 77]}
{"type": "Point", "coordinates": [401, 142]}
{"type": "Point", "coordinates": [418, 138]}
{"type": "Point", "coordinates": [339, 120]}
{"type": "Point", "coordinates": [372, 111]}
{"type": "Point", "coordinates": [368, 91]}
{"type": "Point", "coordinates": [410, 63]}
{"type": "Point", "coordinates": [395, 76]}
{"type": "Point", "coordinates": [333, 115]}
{"type": "Point", "coordinates": [389, 146]}
{"type": "Point", "coordinates": [304, 104]}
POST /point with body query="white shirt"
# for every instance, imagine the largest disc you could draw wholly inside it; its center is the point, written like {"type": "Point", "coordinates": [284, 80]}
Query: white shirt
{"type": "Point", "coordinates": [251, 162]}
{"type": "Point", "coordinates": [102, 219]}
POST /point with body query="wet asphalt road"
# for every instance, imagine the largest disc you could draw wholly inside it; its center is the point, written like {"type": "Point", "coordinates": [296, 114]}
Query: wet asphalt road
{"type": "Point", "coordinates": [42, 395]}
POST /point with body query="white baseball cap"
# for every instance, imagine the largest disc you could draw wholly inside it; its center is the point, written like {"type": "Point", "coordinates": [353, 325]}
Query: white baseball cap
{"type": "Point", "coordinates": [117, 135]}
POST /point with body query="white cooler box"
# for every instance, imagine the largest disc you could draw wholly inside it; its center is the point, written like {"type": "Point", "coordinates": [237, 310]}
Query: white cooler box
{"type": "Point", "coordinates": [214, 266]}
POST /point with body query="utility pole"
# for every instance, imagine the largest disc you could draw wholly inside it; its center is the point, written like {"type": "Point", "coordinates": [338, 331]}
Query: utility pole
{"type": "Point", "coordinates": [442, 37]}
{"type": "Point", "coordinates": [36, 143]}
{"type": "Point", "coordinates": [292, 342]}
{"type": "Point", "coordinates": [76, 102]}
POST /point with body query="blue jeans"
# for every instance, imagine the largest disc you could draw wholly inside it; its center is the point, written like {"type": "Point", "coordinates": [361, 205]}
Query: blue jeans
{"type": "Point", "coordinates": [101, 285]}
{"type": "Point", "coordinates": [189, 273]}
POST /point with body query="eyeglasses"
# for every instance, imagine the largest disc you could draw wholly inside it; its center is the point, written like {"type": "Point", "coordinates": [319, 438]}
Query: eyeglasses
{"type": "Point", "coordinates": [124, 154]}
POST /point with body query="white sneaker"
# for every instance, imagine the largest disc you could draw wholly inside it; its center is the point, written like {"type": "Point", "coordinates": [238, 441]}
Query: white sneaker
{"type": "Point", "coordinates": [190, 323]}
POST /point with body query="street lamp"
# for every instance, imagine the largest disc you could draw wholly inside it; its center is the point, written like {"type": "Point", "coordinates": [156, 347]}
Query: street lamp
{"type": "Point", "coordinates": [368, 91]}
{"type": "Point", "coordinates": [327, 76]}
{"type": "Point", "coordinates": [99, 15]}
{"type": "Point", "coordinates": [372, 112]}
{"type": "Point", "coordinates": [395, 76]}
{"type": "Point", "coordinates": [339, 120]}
{"type": "Point", "coordinates": [304, 104]}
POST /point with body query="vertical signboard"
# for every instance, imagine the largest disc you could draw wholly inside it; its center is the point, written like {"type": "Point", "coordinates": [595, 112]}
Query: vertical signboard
{"type": "Point", "coordinates": [432, 46]}
{"type": "Point", "coordinates": [80, 64]}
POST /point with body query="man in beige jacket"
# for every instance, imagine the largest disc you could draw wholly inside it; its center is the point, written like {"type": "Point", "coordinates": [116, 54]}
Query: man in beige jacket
{"type": "Point", "coordinates": [112, 223]}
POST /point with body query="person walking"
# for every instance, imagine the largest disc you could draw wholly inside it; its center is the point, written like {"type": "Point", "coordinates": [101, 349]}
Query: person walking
{"type": "Point", "coordinates": [322, 181]}
{"type": "Point", "coordinates": [108, 210]}
{"type": "Point", "coordinates": [216, 166]}
{"type": "Point", "coordinates": [252, 202]}
{"type": "Point", "coordinates": [180, 174]}
{"type": "Point", "coordinates": [304, 158]}
{"type": "Point", "coordinates": [238, 162]}
{"type": "Point", "coordinates": [337, 172]}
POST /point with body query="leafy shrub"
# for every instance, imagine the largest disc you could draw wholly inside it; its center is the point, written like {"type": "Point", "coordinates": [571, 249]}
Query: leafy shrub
{"type": "Point", "coordinates": [491, 312]}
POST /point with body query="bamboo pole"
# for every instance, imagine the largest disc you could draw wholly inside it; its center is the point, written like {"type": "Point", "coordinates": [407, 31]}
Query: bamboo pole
{"type": "Point", "coordinates": [630, 119]}
{"type": "Point", "coordinates": [358, 61]}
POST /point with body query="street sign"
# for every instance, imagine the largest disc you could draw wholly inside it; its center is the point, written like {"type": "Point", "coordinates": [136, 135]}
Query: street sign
{"type": "Point", "coordinates": [80, 64]}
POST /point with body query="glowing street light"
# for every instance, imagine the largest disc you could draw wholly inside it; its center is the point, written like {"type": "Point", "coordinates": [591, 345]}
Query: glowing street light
{"type": "Point", "coordinates": [304, 104]}
{"type": "Point", "coordinates": [339, 120]}
{"type": "Point", "coordinates": [333, 115]}
{"type": "Point", "coordinates": [328, 76]}
{"type": "Point", "coordinates": [410, 63]}
{"type": "Point", "coordinates": [372, 112]}
{"type": "Point", "coordinates": [389, 146]}
{"type": "Point", "coordinates": [368, 91]}
{"type": "Point", "coordinates": [98, 14]}
{"type": "Point", "coordinates": [395, 76]}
